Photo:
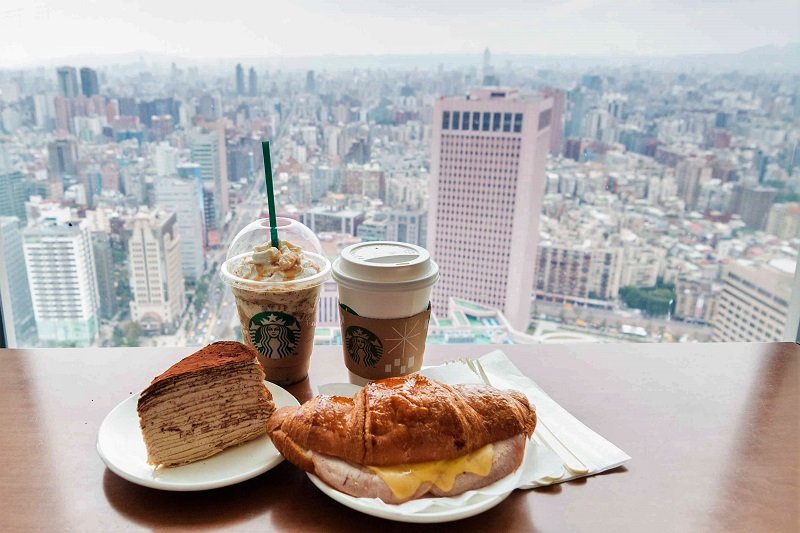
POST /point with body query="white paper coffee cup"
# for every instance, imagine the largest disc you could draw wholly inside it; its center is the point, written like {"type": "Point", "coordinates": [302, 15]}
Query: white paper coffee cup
{"type": "Point", "coordinates": [385, 288]}
{"type": "Point", "coordinates": [385, 279]}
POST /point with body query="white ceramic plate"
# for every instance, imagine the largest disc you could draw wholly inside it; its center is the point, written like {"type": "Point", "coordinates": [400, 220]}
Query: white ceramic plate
{"type": "Point", "coordinates": [426, 510]}
{"type": "Point", "coordinates": [120, 445]}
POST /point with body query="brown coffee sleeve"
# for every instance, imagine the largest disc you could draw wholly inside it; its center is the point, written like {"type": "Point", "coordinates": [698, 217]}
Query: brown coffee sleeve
{"type": "Point", "coordinates": [377, 348]}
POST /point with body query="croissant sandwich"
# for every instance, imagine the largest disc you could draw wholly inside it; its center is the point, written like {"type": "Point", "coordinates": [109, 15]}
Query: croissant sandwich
{"type": "Point", "coordinates": [405, 438]}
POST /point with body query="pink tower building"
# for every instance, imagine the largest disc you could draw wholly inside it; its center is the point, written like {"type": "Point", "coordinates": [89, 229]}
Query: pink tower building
{"type": "Point", "coordinates": [487, 181]}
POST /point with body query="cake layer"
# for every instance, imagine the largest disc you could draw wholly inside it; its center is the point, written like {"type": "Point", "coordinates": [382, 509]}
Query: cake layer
{"type": "Point", "coordinates": [175, 452]}
{"type": "Point", "coordinates": [238, 371]}
{"type": "Point", "coordinates": [201, 388]}
{"type": "Point", "coordinates": [209, 401]}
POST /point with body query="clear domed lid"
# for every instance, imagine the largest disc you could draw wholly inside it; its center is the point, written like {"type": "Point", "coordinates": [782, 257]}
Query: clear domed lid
{"type": "Point", "coordinates": [257, 233]}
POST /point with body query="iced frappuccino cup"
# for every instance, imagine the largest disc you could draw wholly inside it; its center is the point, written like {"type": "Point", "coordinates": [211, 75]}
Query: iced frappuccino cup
{"type": "Point", "coordinates": [276, 292]}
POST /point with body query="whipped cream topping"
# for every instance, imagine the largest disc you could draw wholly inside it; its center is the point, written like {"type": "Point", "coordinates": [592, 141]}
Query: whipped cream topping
{"type": "Point", "coordinates": [268, 263]}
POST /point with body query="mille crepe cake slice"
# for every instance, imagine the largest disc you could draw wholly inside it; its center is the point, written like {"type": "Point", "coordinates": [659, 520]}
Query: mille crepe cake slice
{"type": "Point", "coordinates": [209, 401]}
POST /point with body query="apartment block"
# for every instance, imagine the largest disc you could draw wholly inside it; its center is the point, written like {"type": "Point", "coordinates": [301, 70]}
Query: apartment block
{"type": "Point", "coordinates": [783, 221]}
{"type": "Point", "coordinates": [61, 272]}
{"type": "Point", "coordinates": [754, 301]}
{"type": "Point", "coordinates": [184, 197]}
{"type": "Point", "coordinates": [155, 269]}
{"type": "Point", "coordinates": [584, 273]}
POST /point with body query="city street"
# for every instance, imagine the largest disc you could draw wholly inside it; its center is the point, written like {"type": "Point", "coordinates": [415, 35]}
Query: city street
{"type": "Point", "coordinates": [218, 318]}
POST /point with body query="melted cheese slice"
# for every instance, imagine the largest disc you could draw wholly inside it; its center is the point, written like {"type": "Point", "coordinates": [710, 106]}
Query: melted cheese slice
{"type": "Point", "coordinates": [404, 480]}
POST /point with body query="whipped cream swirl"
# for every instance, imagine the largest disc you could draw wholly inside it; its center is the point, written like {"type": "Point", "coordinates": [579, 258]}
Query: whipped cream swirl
{"type": "Point", "coordinates": [268, 263]}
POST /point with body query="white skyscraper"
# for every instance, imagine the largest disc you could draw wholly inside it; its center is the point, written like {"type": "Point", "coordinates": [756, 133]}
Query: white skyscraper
{"type": "Point", "coordinates": [155, 270]}
{"type": "Point", "coordinates": [60, 263]}
{"type": "Point", "coordinates": [184, 197]}
{"type": "Point", "coordinates": [486, 188]}
{"type": "Point", "coordinates": [209, 151]}
{"type": "Point", "coordinates": [15, 294]}
{"type": "Point", "coordinates": [166, 159]}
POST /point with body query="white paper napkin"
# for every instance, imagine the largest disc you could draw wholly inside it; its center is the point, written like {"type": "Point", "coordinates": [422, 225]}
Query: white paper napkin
{"type": "Point", "coordinates": [568, 438]}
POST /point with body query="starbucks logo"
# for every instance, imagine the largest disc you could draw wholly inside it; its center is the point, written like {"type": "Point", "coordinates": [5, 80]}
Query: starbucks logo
{"type": "Point", "coordinates": [363, 346]}
{"type": "Point", "coordinates": [274, 334]}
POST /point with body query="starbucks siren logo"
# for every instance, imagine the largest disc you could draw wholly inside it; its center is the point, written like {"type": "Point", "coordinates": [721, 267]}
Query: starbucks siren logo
{"type": "Point", "coordinates": [363, 346]}
{"type": "Point", "coordinates": [274, 334]}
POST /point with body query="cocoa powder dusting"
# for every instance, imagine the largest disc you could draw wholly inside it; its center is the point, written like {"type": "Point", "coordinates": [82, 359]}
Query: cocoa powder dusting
{"type": "Point", "coordinates": [215, 354]}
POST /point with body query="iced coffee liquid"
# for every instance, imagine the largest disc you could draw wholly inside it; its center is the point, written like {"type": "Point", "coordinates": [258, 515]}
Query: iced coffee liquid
{"type": "Point", "coordinates": [280, 326]}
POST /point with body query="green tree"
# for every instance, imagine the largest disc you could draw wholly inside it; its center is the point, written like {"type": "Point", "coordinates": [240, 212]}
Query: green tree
{"type": "Point", "coordinates": [654, 301]}
{"type": "Point", "coordinates": [127, 334]}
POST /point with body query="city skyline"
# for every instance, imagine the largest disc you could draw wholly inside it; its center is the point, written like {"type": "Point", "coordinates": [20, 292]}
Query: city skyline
{"type": "Point", "coordinates": [655, 183]}
{"type": "Point", "coordinates": [39, 32]}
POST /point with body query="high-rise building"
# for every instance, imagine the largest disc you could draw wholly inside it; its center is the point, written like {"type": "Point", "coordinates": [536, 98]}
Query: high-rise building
{"type": "Point", "coordinates": [65, 299]}
{"type": "Point", "coordinates": [208, 150]}
{"type": "Point", "coordinates": [209, 214]}
{"type": "Point", "coordinates": [577, 106]}
{"type": "Point", "coordinates": [89, 84]}
{"type": "Point", "coordinates": [486, 188]}
{"type": "Point", "coordinates": [104, 269]}
{"type": "Point", "coordinates": [690, 175]}
{"type": "Point", "coordinates": [64, 115]}
{"type": "Point", "coordinates": [184, 197]}
{"type": "Point", "coordinates": [557, 120]}
{"type": "Point", "coordinates": [67, 82]}
{"type": "Point", "coordinates": [489, 79]}
{"type": "Point", "coordinates": [409, 226]}
{"type": "Point", "coordinates": [15, 294]}
{"type": "Point", "coordinates": [127, 107]}
{"type": "Point", "coordinates": [754, 302]}
{"type": "Point", "coordinates": [207, 107]}
{"type": "Point", "coordinates": [155, 269]}
{"type": "Point", "coordinates": [374, 228]}
{"type": "Point", "coordinates": [695, 298]}
{"type": "Point", "coordinates": [161, 126]}
{"type": "Point", "coordinates": [311, 82]}
{"type": "Point", "coordinates": [578, 273]}
{"type": "Point", "coordinates": [337, 220]}
{"type": "Point", "coordinates": [753, 203]}
{"type": "Point", "coordinates": [783, 220]}
{"type": "Point", "coordinates": [252, 81]}
{"type": "Point", "coordinates": [13, 194]}
{"type": "Point", "coordinates": [62, 157]}
{"type": "Point", "coordinates": [365, 180]}
{"type": "Point", "coordinates": [239, 79]}
{"type": "Point", "coordinates": [166, 159]}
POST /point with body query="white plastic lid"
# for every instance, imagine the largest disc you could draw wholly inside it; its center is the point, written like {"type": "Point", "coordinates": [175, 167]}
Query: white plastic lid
{"type": "Point", "coordinates": [385, 266]}
{"type": "Point", "coordinates": [257, 233]}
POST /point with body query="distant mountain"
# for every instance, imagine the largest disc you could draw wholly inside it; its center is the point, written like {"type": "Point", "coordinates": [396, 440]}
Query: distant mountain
{"type": "Point", "coordinates": [762, 59]}
{"type": "Point", "coordinates": [769, 58]}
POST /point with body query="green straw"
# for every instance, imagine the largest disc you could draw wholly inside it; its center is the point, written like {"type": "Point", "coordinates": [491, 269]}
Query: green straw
{"type": "Point", "coordinates": [273, 222]}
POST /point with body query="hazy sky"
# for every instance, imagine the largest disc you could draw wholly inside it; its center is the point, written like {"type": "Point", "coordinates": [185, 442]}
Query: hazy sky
{"type": "Point", "coordinates": [34, 30]}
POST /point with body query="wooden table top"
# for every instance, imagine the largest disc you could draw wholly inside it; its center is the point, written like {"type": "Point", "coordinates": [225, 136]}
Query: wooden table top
{"type": "Point", "coordinates": [712, 430]}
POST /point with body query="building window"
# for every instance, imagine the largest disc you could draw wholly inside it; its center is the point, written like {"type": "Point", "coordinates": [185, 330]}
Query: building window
{"type": "Point", "coordinates": [465, 120]}
{"type": "Point", "coordinates": [446, 120]}
{"type": "Point", "coordinates": [476, 121]}
{"type": "Point", "coordinates": [496, 122]}
{"type": "Point", "coordinates": [507, 122]}
{"type": "Point", "coordinates": [517, 122]}
{"type": "Point", "coordinates": [456, 116]}
{"type": "Point", "coordinates": [486, 119]}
